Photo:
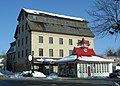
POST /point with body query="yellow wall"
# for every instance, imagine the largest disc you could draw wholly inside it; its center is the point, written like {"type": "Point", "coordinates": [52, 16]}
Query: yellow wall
{"type": "Point", "coordinates": [55, 46]}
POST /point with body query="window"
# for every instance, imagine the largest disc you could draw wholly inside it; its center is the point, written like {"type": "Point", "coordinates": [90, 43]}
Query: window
{"type": "Point", "coordinates": [18, 54]}
{"type": "Point", "coordinates": [70, 42]}
{"type": "Point", "coordinates": [40, 52]}
{"type": "Point", "coordinates": [103, 67]}
{"type": "Point", "coordinates": [97, 68]}
{"type": "Point", "coordinates": [82, 25]}
{"type": "Point", "coordinates": [81, 68]}
{"type": "Point", "coordinates": [60, 40]}
{"type": "Point", "coordinates": [50, 40]}
{"type": "Point", "coordinates": [40, 39]}
{"type": "Point", "coordinates": [61, 53]}
{"type": "Point", "coordinates": [26, 40]}
{"type": "Point", "coordinates": [26, 26]}
{"type": "Point", "coordinates": [18, 43]}
{"type": "Point", "coordinates": [14, 57]}
{"type": "Point", "coordinates": [22, 53]}
{"type": "Point", "coordinates": [70, 52]}
{"type": "Point", "coordinates": [19, 30]}
{"type": "Point", "coordinates": [22, 28]}
{"type": "Point", "coordinates": [78, 44]}
{"type": "Point", "coordinates": [26, 52]}
{"type": "Point", "coordinates": [22, 41]}
{"type": "Point", "coordinates": [51, 52]}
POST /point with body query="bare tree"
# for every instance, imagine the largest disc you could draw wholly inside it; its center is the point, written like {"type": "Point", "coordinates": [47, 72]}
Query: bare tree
{"type": "Point", "coordinates": [118, 52]}
{"type": "Point", "coordinates": [110, 52]}
{"type": "Point", "coordinates": [106, 17]}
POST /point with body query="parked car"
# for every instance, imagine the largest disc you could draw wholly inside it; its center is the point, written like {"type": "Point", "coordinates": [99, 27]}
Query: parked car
{"type": "Point", "coordinates": [115, 74]}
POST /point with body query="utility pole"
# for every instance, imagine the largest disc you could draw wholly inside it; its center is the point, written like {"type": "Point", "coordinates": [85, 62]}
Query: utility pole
{"type": "Point", "coordinates": [32, 61]}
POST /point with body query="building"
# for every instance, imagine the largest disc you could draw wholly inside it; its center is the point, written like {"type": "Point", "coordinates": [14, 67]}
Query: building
{"type": "Point", "coordinates": [11, 54]}
{"type": "Point", "coordinates": [84, 63]}
{"type": "Point", "coordinates": [2, 64]}
{"type": "Point", "coordinates": [47, 36]}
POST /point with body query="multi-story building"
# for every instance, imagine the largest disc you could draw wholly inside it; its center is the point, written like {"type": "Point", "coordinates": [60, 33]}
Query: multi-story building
{"type": "Point", "coordinates": [48, 35]}
{"type": "Point", "coordinates": [11, 54]}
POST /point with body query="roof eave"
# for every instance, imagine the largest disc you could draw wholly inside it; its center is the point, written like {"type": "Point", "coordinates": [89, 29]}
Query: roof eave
{"type": "Point", "coordinates": [64, 33]}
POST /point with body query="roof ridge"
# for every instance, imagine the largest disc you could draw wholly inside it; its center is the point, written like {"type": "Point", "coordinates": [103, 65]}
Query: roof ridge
{"type": "Point", "coordinates": [52, 14]}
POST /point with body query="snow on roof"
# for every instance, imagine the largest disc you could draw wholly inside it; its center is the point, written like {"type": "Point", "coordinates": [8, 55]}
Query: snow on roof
{"type": "Point", "coordinates": [67, 59]}
{"type": "Point", "coordinates": [84, 59]}
{"type": "Point", "coordinates": [94, 59]}
{"type": "Point", "coordinates": [51, 14]}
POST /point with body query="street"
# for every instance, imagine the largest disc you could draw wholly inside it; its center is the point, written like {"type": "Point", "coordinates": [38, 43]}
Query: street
{"type": "Point", "coordinates": [64, 82]}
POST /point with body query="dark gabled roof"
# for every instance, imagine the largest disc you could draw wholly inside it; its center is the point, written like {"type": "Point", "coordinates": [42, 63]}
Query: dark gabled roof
{"type": "Point", "coordinates": [51, 28]}
{"type": "Point", "coordinates": [12, 48]}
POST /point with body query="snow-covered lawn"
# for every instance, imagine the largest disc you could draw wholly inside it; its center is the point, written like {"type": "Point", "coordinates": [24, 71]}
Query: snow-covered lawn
{"type": "Point", "coordinates": [29, 75]}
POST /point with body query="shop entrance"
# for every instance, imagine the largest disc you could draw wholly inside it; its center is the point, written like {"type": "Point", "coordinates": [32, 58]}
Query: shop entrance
{"type": "Point", "coordinates": [89, 72]}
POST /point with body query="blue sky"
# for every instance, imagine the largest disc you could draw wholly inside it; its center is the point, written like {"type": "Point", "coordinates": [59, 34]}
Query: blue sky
{"type": "Point", "coordinates": [9, 11]}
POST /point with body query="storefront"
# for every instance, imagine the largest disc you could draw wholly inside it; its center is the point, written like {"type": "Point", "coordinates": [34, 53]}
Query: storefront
{"type": "Point", "coordinates": [46, 66]}
{"type": "Point", "coordinates": [84, 63]}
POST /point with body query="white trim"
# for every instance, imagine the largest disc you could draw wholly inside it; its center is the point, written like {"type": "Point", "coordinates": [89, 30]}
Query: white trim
{"type": "Point", "coordinates": [94, 59]}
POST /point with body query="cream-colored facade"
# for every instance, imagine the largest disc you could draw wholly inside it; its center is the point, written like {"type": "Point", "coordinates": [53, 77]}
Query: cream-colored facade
{"type": "Point", "coordinates": [55, 46]}
{"type": "Point", "coordinates": [35, 24]}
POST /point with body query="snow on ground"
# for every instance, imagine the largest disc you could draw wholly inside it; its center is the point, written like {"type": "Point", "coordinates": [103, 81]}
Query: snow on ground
{"type": "Point", "coordinates": [53, 76]}
{"type": "Point", "coordinates": [24, 74]}
{"type": "Point", "coordinates": [1, 74]}
{"type": "Point", "coordinates": [38, 74]}
{"type": "Point", "coordinates": [28, 75]}
{"type": "Point", "coordinates": [6, 72]}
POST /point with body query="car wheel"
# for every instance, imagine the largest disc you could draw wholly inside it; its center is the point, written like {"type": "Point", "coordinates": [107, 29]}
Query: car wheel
{"type": "Point", "coordinates": [110, 75]}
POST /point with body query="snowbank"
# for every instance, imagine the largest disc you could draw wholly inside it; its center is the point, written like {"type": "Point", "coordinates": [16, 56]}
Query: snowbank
{"type": "Point", "coordinates": [1, 74]}
{"type": "Point", "coordinates": [24, 74]}
{"type": "Point", "coordinates": [38, 74]}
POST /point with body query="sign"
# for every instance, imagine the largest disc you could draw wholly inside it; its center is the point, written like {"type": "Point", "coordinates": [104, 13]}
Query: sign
{"type": "Point", "coordinates": [30, 58]}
